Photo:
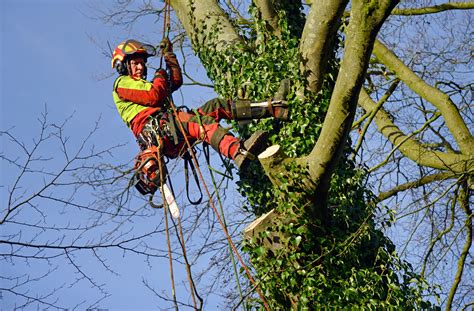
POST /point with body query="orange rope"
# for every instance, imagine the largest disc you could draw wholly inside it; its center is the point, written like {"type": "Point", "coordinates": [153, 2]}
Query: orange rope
{"type": "Point", "coordinates": [166, 30]}
{"type": "Point", "coordinates": [168, 242]}
{"type": "Point", "coordinates": [219, 219]}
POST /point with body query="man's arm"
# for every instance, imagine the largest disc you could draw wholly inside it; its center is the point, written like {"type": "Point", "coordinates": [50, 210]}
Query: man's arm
{"type": "Point", "coordinates": [176, 77]}
{"type": "Point", "coordinates": [142, 92]}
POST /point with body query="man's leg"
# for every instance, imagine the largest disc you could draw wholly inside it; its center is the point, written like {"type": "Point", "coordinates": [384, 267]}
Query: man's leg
{"type": "Point", "coordinates": [206, 129]}
{"type": "Point", "coordinates": [220, 109]}
{"type": "Point", "coordinates": [217, 108]}
{"type": "Point", "coordinates": [247, 110]}
{"type": "Point", "coordinates": [276, 107]}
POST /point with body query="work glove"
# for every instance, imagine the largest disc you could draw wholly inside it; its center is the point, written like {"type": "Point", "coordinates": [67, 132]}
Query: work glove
{"type": "Point", "coordinates": [172, 64]}
{"type": "Point", "coordinates": [166, 46]}
{"type": "Point", "coordinates": [161, 73]}
{"type": "Point", "coordinates": [171, 60]}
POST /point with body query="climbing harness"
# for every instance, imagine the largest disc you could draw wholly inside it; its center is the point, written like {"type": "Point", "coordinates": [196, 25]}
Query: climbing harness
{"type": "Point", "coordinates": [147, 176]}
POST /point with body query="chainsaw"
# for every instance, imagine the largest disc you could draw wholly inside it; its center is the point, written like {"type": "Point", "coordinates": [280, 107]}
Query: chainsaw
{"type": "Point", "coordinates": [147, 171]}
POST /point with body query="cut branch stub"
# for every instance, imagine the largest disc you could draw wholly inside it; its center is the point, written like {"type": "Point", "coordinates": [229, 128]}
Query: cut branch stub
{"type": "Point", "coordinates": [272, 241]}
{"type": "Point", "coordinates": [264, 231]}
{"type": "Point", "coordinates": [273, 160]}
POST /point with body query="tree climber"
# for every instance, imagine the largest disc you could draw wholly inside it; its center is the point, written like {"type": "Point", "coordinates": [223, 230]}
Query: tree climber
{"type": "Point", "coordinates": [144, 107]}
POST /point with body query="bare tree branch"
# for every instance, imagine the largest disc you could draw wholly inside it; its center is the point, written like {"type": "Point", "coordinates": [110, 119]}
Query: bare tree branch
{"type": "Point", "coordinates": [454, 162]}
{"type": "Point", "coordinates": [415, 184]}
{"type": "Point", "coordinates": [448, 109]}
{"type": "Point", "coordinates": [435, 9]}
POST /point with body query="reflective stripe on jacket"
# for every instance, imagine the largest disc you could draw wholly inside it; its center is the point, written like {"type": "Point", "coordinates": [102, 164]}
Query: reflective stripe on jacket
{"type": "Point", "coordinates": [132, 96]}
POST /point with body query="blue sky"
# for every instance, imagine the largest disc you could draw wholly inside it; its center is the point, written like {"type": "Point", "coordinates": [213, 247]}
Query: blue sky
{"type": "Point", "coordinates": [51, 56]}
{"type": "Point", "coordinates": [49, 59]}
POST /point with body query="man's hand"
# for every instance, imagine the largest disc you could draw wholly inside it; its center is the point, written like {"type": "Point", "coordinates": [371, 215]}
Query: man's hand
{"type": "Point", "coordinates": [166, 46]}
{"type": "Point", "coordinates": [171, 61]}
{"type": "Point", "coordinates": [161, 73]}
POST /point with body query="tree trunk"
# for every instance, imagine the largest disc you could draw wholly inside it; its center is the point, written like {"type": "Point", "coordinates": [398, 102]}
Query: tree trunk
{"type": "Point", "coordinates": [199, 18]}
{"type": "Point", "coordinates": [318, 39]}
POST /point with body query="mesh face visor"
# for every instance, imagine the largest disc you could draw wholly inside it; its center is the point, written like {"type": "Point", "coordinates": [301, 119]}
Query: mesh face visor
{"type": "Point", "coordinates": [132, 46]}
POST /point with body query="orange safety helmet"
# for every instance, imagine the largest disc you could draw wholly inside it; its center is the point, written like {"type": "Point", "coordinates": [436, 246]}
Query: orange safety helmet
{"type": "Point", "coordinates": [125, 50]}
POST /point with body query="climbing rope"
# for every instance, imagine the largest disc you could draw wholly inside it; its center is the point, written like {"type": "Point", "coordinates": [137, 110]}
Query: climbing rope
{"type": "Point", "coordinates": [153, 138]}
{"type": "Point", "coordinates": [221, 208]}
{"type": "Point", "coordinates": [173, 288]}
{"type": "Point", "coordinates": [166, 25]}
{"type": "Point", "coordinates": [166, 30]}
{"type": "Point", "coordinates": [168, 242]}
{"type": "Point", "coordinates": [180, 235]}
{"type": "Point", "coordinates": [194, 293]}
{"type": "Point", "coordinates": [213, 206]}
{"type": "Point", "coordinates": [192, 286]}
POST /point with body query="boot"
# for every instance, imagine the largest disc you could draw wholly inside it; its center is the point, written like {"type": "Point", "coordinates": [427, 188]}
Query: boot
{"type": "Point", "coordinates": [246, 110]}
{"type": "Point", "coordinates": [250, 149]}
{"type": "Point", "coordinates": [277, 107]}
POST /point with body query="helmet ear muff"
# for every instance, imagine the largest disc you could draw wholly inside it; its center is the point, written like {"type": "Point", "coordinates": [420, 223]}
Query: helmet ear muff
{"type": "Point", "coordinates": [121, 68]}
{"type": "Point", "coordinates": [145, 70]}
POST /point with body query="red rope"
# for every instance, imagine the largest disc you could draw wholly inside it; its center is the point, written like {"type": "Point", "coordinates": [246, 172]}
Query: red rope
{"type": "Point", "coordinates": [166, 29]}
{"type": "Point", "coordinates": [219, 219]}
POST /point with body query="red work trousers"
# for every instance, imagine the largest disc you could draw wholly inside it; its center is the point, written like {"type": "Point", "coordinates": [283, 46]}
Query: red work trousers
{"type": "Point", "coordinates": [202, 125]}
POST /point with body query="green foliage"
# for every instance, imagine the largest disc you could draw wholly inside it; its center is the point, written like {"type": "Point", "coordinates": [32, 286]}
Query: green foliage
{"type": "Point", "coordinates": [347, 264]}
{"type": "Point", "coordinates": [342, 260]}
{"type": "Point", "coordinates": [255, 68]}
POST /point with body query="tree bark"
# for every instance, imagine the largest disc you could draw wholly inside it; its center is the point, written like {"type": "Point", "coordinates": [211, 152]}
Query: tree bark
{"type": "Point", "coordinates": [318, 39]}
{"type": "Point", "coordinates": [273, 160]}
{"type": "Point", "coordinates": [269, 14]}
{"type": "Point", "coordinates": [365, 22]}
{"type": "Point", "coordinates": [199, 17]}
